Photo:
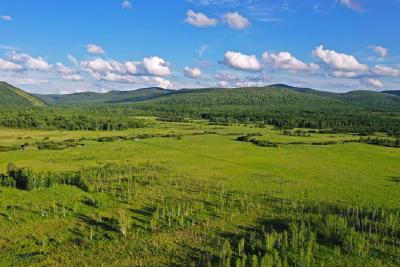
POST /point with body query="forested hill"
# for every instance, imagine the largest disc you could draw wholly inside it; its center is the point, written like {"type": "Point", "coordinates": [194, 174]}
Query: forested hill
{"type": "Point", "coordinates": [284, 107]}
{"type": "Point", "coordinates": [12, 96]}
{"type": "Point", "coordinates": [269, 97]}
{"type": "Point", "coordinates": [275, 97]}
{"type": "Point", "coordinates": [110, 98]}
{"type": "Point", "coordinates": [279, 105]}
{"type": "Point", "coordinates": [392, 92]}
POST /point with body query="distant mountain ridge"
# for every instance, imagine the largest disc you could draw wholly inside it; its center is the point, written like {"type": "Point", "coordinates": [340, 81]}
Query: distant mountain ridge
{"type": "Point", "coordinates": [109, 98]}
{"type": "Point", "coordinates": [13, 96]}
{"type": "Point", "coordinates": [392, 92]}
{"type": "Point", "coordinates": [274, 97]}
{"type": "Point", "coordinates": [268, 97]}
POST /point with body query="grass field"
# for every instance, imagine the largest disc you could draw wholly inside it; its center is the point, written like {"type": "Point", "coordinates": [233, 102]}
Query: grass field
{"type": "Point", "coordinates": [191, 194]}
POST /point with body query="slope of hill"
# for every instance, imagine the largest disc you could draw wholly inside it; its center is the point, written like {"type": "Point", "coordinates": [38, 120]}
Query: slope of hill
{"type": "Point", "coordinates": [392, 92]}
{"type": "Point", "coordinates": [13, 96]}
{"type": "Point", "coordinates": [112, 97]}
{"type": "Point", "coordinates": [269, 97]}
{"type": "Point", "coordinates": [275, 97]}
{"type": "Point", "coordinates": [371, 99]}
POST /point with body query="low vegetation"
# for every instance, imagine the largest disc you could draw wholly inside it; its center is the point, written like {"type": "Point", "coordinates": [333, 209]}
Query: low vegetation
{"type": "Point", "coordinates": [176, 193]}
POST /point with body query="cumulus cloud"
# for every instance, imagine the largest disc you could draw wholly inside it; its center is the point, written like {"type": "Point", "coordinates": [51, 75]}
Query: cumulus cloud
{"type": "Point", "coordinates": [234, 80]}
{"type": "Point", "coordinates": [95, 49]}
{"type": "Point", "coordinates": [380, 50]}
{"type": "Point", "coordinates": [156, 66]}
{"type": "Point", "coordinates": [160, 82]}
{"type": "Point", "coordinates": [199, 19]}
{"type": "Point", "coordinates": [352, 4]}
{"type": "Point", "coordinates": [192, 72]}
{"type": "Point", "coordinates": [373, 83]}
{"type": "Point", "coordinates": [72, 77]}
{"type": "Point", "coordinates": [286, 61]}
{"type": "Point", "coordinates": [60, 68]}
{"type": "Point", "coordinates": [342, 65]}
{"type": "Point", "coordinates": [236, 21]}
{"type": "Point", "coordinates": [241, 61]}
{"type": "Point", "coordinates": [346, 74]}
{"type": "Point", "coordinates": [127, 4]}
{"type": "Point", "coordinates": [149, 70]}
{"type": "Point", "coordinates": [6, 18]}
{"type": "Point", "coordinates": [381, 70]}
{"type": "Point", "coordinates": [67, 73]}
{"type": "Point", "coordinates": [73, 60]}
{"type": "Point", "coordinates": [6, 65]}
{"type": "Point", "coordinates": [99, 67]}
{"type": "Point", "coordinates": [223, 83]}
{"type": "Point", "coordinates": [28, 62]}
{"type": "Point", "coordinates": [17, 80]}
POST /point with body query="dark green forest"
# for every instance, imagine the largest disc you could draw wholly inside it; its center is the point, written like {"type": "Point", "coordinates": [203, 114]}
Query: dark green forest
{"type": "Point", "coordinates": [282, 106]}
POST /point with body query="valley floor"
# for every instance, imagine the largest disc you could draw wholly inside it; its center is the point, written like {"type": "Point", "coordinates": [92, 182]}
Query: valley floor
{"type": "Point", "coordinates": [181, 194]}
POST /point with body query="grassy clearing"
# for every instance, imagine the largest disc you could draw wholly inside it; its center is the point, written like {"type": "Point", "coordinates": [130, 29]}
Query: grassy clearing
{"type": "Point", "coordinates": [193, 195]}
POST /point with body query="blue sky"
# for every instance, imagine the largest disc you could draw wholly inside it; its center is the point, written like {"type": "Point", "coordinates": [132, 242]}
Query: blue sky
{"type": "Point", "coordinates": [69, 46]}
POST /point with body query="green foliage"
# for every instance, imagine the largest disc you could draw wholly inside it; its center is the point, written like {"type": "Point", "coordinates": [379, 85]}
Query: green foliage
{"type": "Point", "coordinates": [26, 179]}
{"type": "Point", "coordinates": [109, 98]}
{"type": "Point", "coordinates": [12, 97]}
{"type": "Point", "coordinates": [284, 107]}
{"type": "Point", "coordinates": [380, 141]}
{"type": "Point", "coordinates": [392, 92]}
{"type": "Point", "coordinates": [100, 119]}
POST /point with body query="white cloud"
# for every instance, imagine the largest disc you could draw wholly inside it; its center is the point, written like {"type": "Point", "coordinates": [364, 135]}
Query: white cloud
{"type": "Point", "coordinates": [29, 62]}
{"type": "Point", "coordinates": [149, 71]}
{"type": "Point", "coordinates": [161, 82]}
{"type": "Point", "coordinates": [73, 60]}
{"type": "Point", "coordinates": [346, 74]}
{"type": "Point", "coordinates": [236, 21]}
{"type": "Point", "coordinates": [148, 80]}
{"type": "Point", "coordinates": [286, 61]}
{"type": "Point", "coordinates": [8, 47]}
{"type": "Point", "coordinates": [60, 68]}
{"type": "Point", "coordinates": [98, 66]}
{"type": "Point", "coordinates": [380, 50]}
{"type": "Point", "coordinates": [223, 83]}
{"type": "Point", "coordinates": [342, 65]}
{"type": "Point", "coordinates": [6, 65]}
{"type": "Point", "coordinates": [127, 4]}
{"type": "Point", "coordinates": [25, 81]}
{"type": "Point", "coordinates": [199, 19]}
{"type": "Point", "coordinates": [192, 72]}
{"type": "Point", "coordinates": [6, 18]}
{"type": "Point", "coordinates": [156, 66]}
{"type": "Point", "coordinates": [72, 77]}
{"type": "Point", "coordinates": [241, 61]}
{"type": "Point", "coordinates": [352, 4]}
{"type": "Point", "coordinates": [201, 50]}
{"type": "Point", "coordinates": [373, 83]}
{"type": "Point", "coordinates": [234, 80]}
{"type": "Point", "coordinates": [67, 73]}
{"type": "Point", "coordinates": [382, 70]}
{"type": "Point", "coordinates": [94, 49]}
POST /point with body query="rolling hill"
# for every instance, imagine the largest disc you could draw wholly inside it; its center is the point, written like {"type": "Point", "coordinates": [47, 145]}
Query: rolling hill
{"type": "Point", "coordinates": [392, 92]}
{"type": "Point", "coordinates": [13, 96]}
{"type": "Point", "coordinates": [273, 96]}
{"type": "Point", "coordinates": [110, 98]}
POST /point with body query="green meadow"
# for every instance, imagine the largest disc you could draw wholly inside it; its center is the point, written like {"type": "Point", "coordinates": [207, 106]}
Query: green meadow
{"type": "Point", "coordinates": [191, 194]}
